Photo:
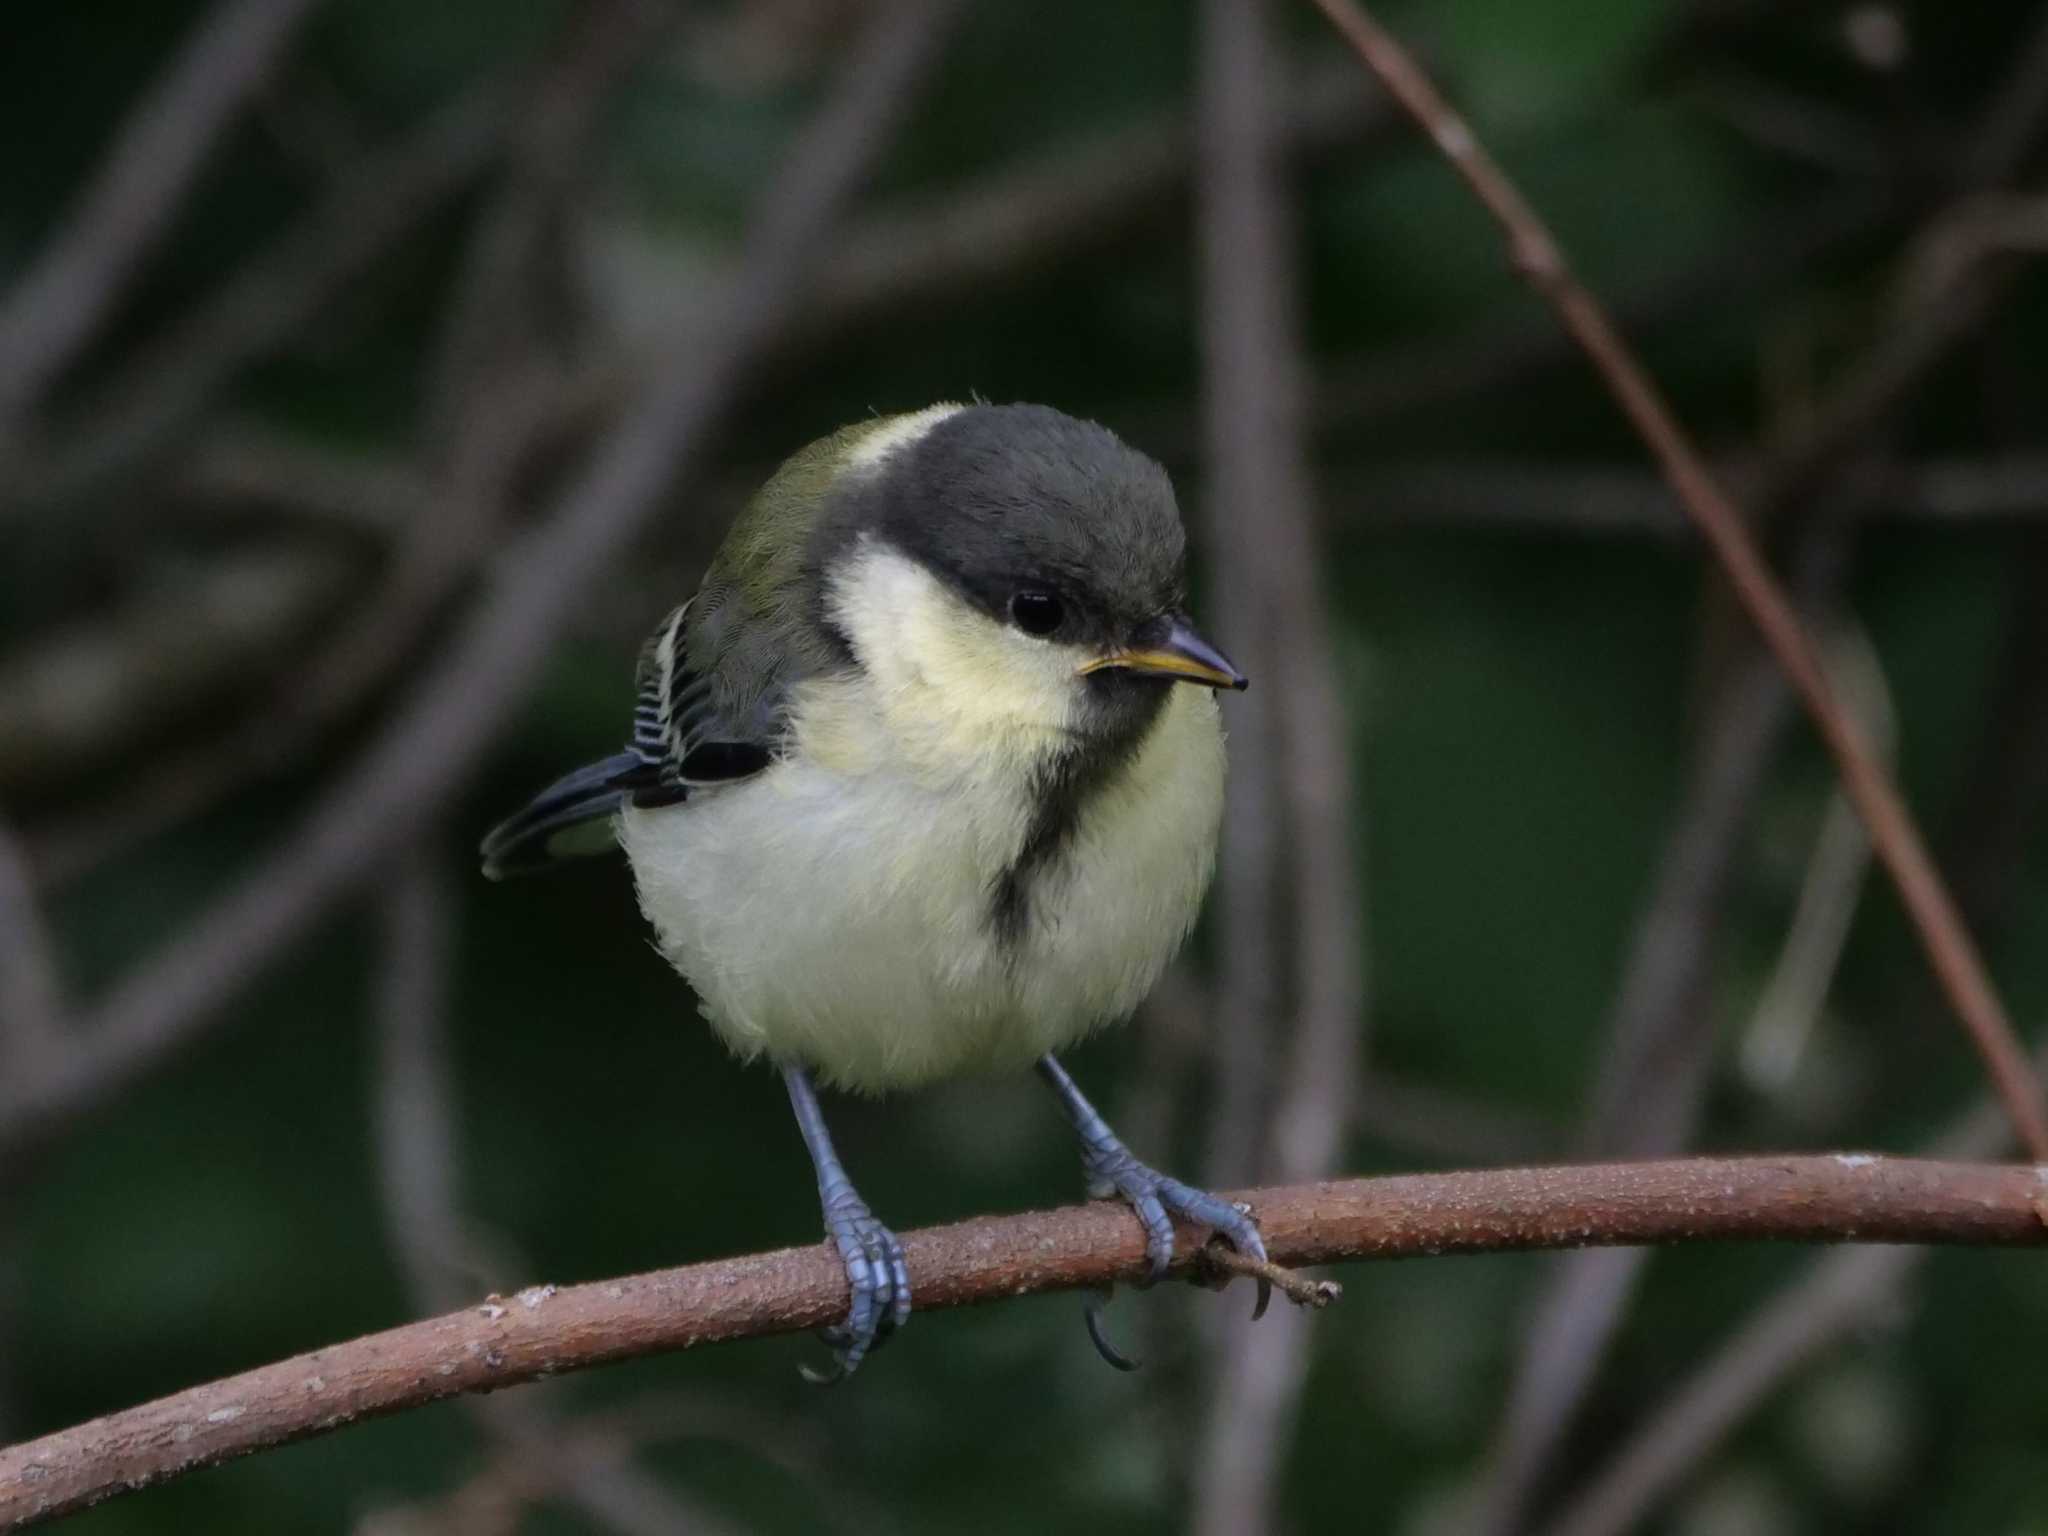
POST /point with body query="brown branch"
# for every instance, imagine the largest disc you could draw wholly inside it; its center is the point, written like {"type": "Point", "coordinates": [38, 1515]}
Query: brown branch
{"type": "Point", "coordinates": [441, 729]}
{"type": "Point", "coordinates": [544, 1331]}
{"type": "Point", "coordinates": [1950, 950]}
{"type": "Point", "coordinates": [60, 302]}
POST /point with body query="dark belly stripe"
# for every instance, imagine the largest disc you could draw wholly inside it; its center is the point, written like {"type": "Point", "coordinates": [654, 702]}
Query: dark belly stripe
{"type": "Point", "coordinates": [1126, 708]}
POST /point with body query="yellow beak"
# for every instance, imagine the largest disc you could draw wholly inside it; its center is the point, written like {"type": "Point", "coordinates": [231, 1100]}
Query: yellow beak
{"type": "Point", "coordinates": [1171, 648]}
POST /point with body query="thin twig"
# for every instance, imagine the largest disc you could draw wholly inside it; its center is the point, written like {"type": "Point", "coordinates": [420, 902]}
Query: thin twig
{"type": "Point", "coordinates": [57, 306]}
{"type": "Point", "coordinates": [1893, 832]}
{"type": "Point", "coordinates": [543, 1331]}
{"type": "Point", "coordinates": [436, 735]}
{"type": "Point", "coordinates": [1291, 1283]}
{"type": "Point", "coordinates": [1789, 1009]}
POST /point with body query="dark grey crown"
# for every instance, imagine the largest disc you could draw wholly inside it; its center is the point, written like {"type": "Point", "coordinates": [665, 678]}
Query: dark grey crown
{"type": "Point", "coordinates": [1001, 498]}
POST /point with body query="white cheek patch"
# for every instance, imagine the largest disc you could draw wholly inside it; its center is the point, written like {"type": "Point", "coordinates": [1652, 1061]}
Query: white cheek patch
{"type": "Point", "coordinates": [894, 432]}
{"type": "Point", "coordinates": [944, 673]}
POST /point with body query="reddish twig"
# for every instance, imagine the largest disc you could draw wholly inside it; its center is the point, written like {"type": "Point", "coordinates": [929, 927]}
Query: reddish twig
{"type": "Point", "coordinates": [544, 1331]}
{"type": "Point", "coordinates": [1893, 833]}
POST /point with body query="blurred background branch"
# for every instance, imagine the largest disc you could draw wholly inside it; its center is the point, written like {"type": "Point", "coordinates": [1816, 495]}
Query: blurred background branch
{"type": "Point", "coordinates": [53, 309]}
{"type": "Point", "coordinates": [425, 748]}
{"type": "Point", "coordinates": [1288, 1065]}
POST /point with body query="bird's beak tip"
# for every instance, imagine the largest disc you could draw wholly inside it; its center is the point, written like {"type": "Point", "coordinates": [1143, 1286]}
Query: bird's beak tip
{"type": "Point", "coordinates": [1178, 652]}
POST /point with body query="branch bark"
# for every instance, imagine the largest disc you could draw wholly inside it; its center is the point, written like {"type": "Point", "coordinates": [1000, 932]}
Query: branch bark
{"type": "Point", "coordinates": [1536, 255]}
{"type": "Point", "coordinates": [543, 1331]}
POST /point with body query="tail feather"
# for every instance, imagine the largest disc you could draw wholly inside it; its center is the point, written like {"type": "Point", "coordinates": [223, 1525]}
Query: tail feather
{"type": "Point", "coordinates": [571, 818]}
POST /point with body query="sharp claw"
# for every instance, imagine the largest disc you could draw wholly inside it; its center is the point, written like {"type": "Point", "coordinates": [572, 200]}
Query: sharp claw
{"type": "Point", "coordinates": [1106, 1161]}
{"type": "Point", "coordinates": [1091, 1313]}
{"type": "Point", "coordinates": [818, 1378]}
{"type": "Point", "coordinates": [837, 1340]}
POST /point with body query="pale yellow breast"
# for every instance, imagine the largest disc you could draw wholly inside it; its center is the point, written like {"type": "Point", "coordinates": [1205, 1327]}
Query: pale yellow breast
{"type": "Point", "coordinates": [835, 910]}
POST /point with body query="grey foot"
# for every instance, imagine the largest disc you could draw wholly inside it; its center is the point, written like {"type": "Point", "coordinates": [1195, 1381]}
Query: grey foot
{"type": "Point", "coordinates": [1158, 1198]}
{"type": "Point", "coordinates": [879, 1280]}
{"type": "Point", "coordinates": [875, 1271]}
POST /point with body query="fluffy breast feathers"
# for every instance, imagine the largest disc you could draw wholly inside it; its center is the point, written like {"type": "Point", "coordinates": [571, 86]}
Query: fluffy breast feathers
{"type": "Point", "coordinates": [835, 908]}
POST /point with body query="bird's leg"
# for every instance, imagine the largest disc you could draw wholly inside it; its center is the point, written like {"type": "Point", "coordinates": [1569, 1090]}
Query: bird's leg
{"type": "Point", "coordinates": [875, 1271]}
{"type": "Point", "coordinates": [1112, 1170]}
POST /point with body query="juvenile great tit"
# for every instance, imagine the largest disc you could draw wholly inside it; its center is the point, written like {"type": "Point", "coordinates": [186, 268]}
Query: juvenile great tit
{"type": "Point", "coordinates": [917, 785]}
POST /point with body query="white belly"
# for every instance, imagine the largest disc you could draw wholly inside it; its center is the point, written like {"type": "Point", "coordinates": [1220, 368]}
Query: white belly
{"type": "Point", "coordinates": [839, 916]}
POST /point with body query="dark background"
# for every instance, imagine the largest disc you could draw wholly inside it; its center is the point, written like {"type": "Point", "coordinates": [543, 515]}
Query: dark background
{"type": "Point", "coordinates": [232, 540]}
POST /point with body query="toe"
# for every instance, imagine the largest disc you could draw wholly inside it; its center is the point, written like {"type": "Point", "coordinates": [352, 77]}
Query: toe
{"type": "Point", "coordinates": [899, 1276]}
{"type": "Point", "coordinates": [1158, 1237]}
{"type": "Point", "coordinates": [1243, 1234]}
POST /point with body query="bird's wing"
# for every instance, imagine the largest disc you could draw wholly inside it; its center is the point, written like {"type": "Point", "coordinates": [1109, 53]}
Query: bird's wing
{"type": "Point", "coordinates": [713, 682]}
{"type": "Point", "coordinates": [682, 726]}
{"type": "Point", "coordinates": [677, 741]}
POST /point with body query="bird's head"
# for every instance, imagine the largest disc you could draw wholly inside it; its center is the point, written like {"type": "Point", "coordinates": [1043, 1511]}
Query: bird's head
{"type": "Point", "coordinates": [1018, 558]}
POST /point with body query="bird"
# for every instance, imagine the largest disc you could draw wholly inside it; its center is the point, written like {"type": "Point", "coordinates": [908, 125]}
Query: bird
{"type": "Point", "coordinates": [927, 778]}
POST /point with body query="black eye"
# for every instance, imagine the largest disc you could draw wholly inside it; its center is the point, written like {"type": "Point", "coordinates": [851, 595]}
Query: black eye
{"type": "Point", "coordinates": [1037, 613]}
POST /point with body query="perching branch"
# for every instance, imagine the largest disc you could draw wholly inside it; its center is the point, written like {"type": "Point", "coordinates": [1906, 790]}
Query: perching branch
{"type": "Point", "coordinates": [1893, 833]}
{"type": "Point", "coordinates": [544, 1331]}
